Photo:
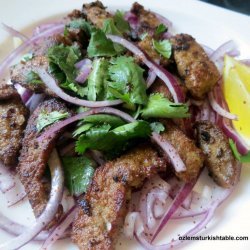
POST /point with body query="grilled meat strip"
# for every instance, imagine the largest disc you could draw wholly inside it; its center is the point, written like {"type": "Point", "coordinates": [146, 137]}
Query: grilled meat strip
{"type": "Point", "coordinates": [147, 19]}
{"type": "Point", "coordinates": [219, 158]}
{"type": "Point", "coordinates": [20, 73]}
{"type": "Point", "coordinates": [192, 156]}
{"type": "Point", "coordinates": [104, 206]}
{"type": "Point", "coordinates": [96, 13]}
{"type": "Point", "coordinates": [34, 156]}
{"type": "Point", "coordinates": [194, 66]}
{"type": "Point", "coordinates": [13, 116]}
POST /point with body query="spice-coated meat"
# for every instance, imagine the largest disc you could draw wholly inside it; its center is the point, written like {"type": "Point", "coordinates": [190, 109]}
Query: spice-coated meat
{"type": "Point", "coordinates": [192, 156]}
{"type": "Point", "coordinates": [96, 13]}
{"type": "Point", "coordinates": [13, 116]}
{"type": "Point", "coordinates": [34, 156]}
{"type": "Point", "coordinates": [104, 206]}
{"type": "Point", "coordinates": [194, 66]}
{"type": "Point", "coordinates": [147, 20]}
{"type": "Point", "coordinates": [219, 158]}
{"type": "Point", "coordinates": [21, 74]}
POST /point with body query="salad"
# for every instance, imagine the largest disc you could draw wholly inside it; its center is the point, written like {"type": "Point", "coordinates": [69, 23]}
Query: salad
{"type": "Point", "coordinates": [120, 117]}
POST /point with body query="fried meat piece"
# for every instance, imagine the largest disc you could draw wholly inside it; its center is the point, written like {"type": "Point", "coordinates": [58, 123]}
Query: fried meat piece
{"type": "Point", "coordinates": [194, 66]}
{"type": "Point", "coordinates": [96, 13]}
{"type": "Point", "coordinates": [104, 207]}
{"type": "Point", "coordinates": [20, 74]}
{"type": "Point", "coordinates": [219, 158]}
{"type": "Point", "coordinates": [147, 19]}
{"type": "Point", "coordinates": [192, 156]}
{"type": "Point", "coordinates": [13, 116]}
{"type": "Point", "coordinates": [34, 156]}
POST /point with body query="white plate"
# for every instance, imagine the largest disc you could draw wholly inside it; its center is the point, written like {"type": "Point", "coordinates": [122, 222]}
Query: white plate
{"type": "Point", "coordinates": [209, 25]}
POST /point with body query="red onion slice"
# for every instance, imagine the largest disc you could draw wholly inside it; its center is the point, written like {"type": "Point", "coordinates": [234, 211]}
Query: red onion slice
{"type": "Point", "coordinates": [132, 19]}
{"type": "Point", "coordinates": [14, 32]}
{"type": "Point", "coordinates": [84, 67]}
{"type": "Point", "coordinates": [24, 93]}
{"type": "Point", "coordinates": [162, 73]}
{"type": "Point", "coordinates": [129, 224]}
{"type": "Point", "coordinates": [180, 197]}
{"type": "Point", "coordinates": [50, 210]}
{"type": "Point", "coordinates": [44, 27]}
{"type": "Point", "coordinates": [7, 181]}
{"type": "Point", "coordinates": [34, 101]}
{"type": "Point", "coordinates": [52, 85]}
{"type": "Point", "coordinates": [151, 78]}
{"type": "Point", "coordinates": [58, 232]}
{"type": "Point", "coordinates": [19, 197]}
{"type": "Point", "coordinates": [12, 56]}
{"type": "Point", "coordinates": [218, 109]}
{"type": "Point", "coordinates": [16, 229]}
{"type": "Point", "coordinates": [170, 151]}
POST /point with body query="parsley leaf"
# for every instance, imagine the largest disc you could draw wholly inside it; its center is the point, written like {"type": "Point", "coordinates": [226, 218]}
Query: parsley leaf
{"type": "Point", "coordinates": [78, 173]}
{"type": "Point", "coordinates": [62, 66]}
{"type": "Point", "coordinates": [160, 29]}
{"type": "Point", "coordinates": [44, 119]}
{"type": "Point", "coordinates": [127, 83]}
{"type": "Point", "coordinates": [97, 78]}
{"type": "Point", "coordinates": [237, 155]}
{"type": "Point", "coordinates": [157, 127]}
{"type": "Point", "coordinates": [163, 47]}
{"type": "Point", "coordinates": [33, 78]}
{"type": "Point", "coordinates": [121, 24]}
{"type": "Point", "coordinates": [100, 45]}
{"type": "Point", "coordinates": [80, 24]}
{"type": "Point", "coordinates": [160, 107]}
{"type": "Point", "coordinates": [110, 28]}
{"type": "Point", "coordinates": [106, 139]}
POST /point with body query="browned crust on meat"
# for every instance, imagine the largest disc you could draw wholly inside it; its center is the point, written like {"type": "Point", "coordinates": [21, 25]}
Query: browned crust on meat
{"type": "Point", "coordinates": [104, 207]}
{"type": "Point", "coordinates": [96, 13]}
{"type": "Point", "coordinates": [19, 72]}
{"type": "Point", "coordinates": [192, 156]}
{"type": "Point", "coordinates": [147, 19]}
{"type": "Point", "coordinates": [194, 66]}
{"type": "Point", "coordinates": [8, 92]}
{"type": "Point", "coordinates": [34, 156]}
{"type": "Point", "coordinates": [13, 116]}
{"type": "Point", "coordinates": [219, 158]}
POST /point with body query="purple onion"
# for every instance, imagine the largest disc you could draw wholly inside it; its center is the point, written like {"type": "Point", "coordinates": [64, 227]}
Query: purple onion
{"type": "Point", "coordinates": [85, 67]}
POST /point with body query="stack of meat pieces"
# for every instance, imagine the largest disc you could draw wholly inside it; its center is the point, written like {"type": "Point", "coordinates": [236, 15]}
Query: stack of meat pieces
{"type": "Point", "coordinates": [104, 206]}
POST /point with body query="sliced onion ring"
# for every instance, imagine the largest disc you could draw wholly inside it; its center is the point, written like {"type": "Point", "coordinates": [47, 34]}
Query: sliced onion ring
{"type": "Point", "coordinates": [6, 179]}
{"type": "Point", "coordinates": [50, 210]}
{"type": "Point", "coordinates": [50, 82]}
{"type": "Point", "coordinates": [14, 32]}
{"type": "Point", "coordinates": [58, 232]}
{"type": "Point", "coordinates": [163, 74]}
{"type": "Point", "coordinates": [179, 199]}
{"type": "Point", "coordinates": [171, 152]}
{"type": "Point", "coordinates": [218, 109]}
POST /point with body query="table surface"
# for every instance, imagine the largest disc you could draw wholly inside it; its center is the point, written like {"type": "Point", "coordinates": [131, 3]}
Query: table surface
{"type": "Point", "coordinates": [242, 6]}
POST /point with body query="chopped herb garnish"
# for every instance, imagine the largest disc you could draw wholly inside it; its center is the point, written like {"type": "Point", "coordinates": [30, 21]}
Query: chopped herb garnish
{"type": "Point", "coordinates": [237, 155]}
{"type": "Point", "coordinates": [157, 127]}
{"type": "Point", "coordinates": [78, 173]}
{"type": "Point", "coordinates": [160, 107]}
{"type": "Point", "coordinates": [45, 119]}
{"type": "Point", "coordinates": [127, 79]}
{"type": "Point", "coordinates": [33, 78]}
{"type": "Point", "coordinates": [163, 47]}
{"type": "Point", "coordinates": [160, 29]}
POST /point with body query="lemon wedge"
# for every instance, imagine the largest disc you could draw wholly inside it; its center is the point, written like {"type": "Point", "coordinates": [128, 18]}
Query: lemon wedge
{"type": "Point", "coordinates": [236, 89]}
